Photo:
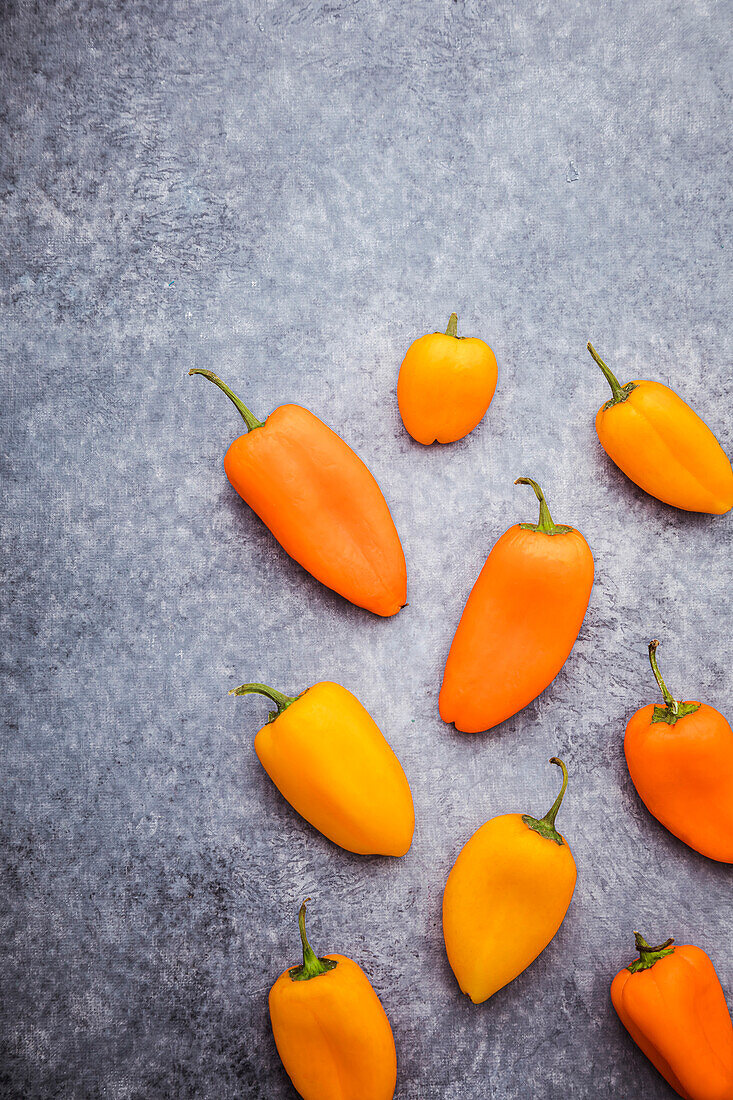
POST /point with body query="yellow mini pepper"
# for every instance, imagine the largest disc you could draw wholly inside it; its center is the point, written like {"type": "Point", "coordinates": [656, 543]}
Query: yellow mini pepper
{"type": "Point", "coordinates": [663, 445]}
{"type": "Point", "coordinates": [506, 896]}
{"type": "Point", "coordinates": [327, 756]}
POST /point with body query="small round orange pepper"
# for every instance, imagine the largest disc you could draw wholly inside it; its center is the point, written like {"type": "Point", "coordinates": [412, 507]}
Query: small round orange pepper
{"type": "Point", "coordinates": [520, 622]}
{"type": "Point", "coordinates": [327, 756]}
{"type": "Point", "coordinates": [657, 440]}
{"type": "Point", "coordinates": [671, 1003]}
{"type": "Point", "coordinates": [506, 896]}
{"type": "Point", "coordinates": [445, 385]}
{"type": "Point", "coordinates": [680, 759]}
{"type": "Point", "coordinates": [320, 502]}
{"type": "Point", "coordinates": [330, 1029]}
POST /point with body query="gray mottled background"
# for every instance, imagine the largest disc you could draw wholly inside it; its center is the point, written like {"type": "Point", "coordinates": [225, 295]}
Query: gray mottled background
{"type": "Point", "coordinates": [289, 193]}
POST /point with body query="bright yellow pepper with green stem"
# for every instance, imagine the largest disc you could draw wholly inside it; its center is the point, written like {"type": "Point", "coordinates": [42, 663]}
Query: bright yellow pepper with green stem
{"type": "Point", "coordinates": [506, 896]}
{"type": "Point", "coordinates": [327, 756]}
{"type": "Point", "coordinates": [659, 442]}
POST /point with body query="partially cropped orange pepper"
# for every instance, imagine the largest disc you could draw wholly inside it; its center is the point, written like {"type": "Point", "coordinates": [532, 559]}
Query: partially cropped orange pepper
{"type": "Point", "coordinates": [320, 502]}
{"type": "Point", "coordinates": [445, 385]}
{"type": "Point", "coordinates": [519, 623]}
{"type": "Point", "coordinates": [680, 758]}
{"type": "Point", "coordinates": [657, 440]}
{"type": "Point", "coordinates": [671, 1003]}
{"type": "Point", "coordinates": [329, 759]}
{"type": "Point", "coordinates": [330, 1029]}
{"type": "Point", "coordinates": [506, 896]}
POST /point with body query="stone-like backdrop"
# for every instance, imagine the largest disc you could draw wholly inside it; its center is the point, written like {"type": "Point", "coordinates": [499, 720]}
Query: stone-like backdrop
{"type": "Point", "coordinates": [288, 193]}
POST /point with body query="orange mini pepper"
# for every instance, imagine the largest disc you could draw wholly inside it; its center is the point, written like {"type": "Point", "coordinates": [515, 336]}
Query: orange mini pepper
{"type": "Point", "coordinates": [320, 502]}
{"type": "Point", "coordinates": [506, 896]}
{"type": "Point", "coordinates": [671, 1003]}
{"type": "Point", "coordinates": [445, 385]}
{"type": "Point", "coordinates": [329, 759]}
{"type": "Point", "coordinates": [330, 1029]}
{"type": "Point", "coordinates": [657, 440]}
{"type": "Point", "coordinates": [519, 623]}
{"type": "Point", "coordinates": [680, 759]}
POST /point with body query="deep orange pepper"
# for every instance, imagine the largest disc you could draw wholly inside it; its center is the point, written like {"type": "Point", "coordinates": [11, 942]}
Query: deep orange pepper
{"type": "Point", "coordinates": [519, 623]}
{"type": "Point", "coordinates": [327, 756]}
{"type": "Point", "coordinates": [320, 502]}
{"type": "Point", "coordinates": [330, 1029]}
{"type": "Point", "coordinates": [671, 1003]}
{"type": "Point", "coordinates": [663, 446]}
{"type": "Point", "coordinates": [680, 758]}
{"type": "Point", "coordinates": [445, 385]}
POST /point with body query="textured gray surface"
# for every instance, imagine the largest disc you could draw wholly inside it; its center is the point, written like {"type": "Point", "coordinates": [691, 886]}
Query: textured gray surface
{"type": "Point", "coordinates": [321, 183]}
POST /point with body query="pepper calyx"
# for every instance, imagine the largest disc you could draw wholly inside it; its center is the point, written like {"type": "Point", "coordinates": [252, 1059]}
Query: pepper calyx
{"type": "Point", "coordinates": [620, 393]}
{"type": "Point", "coordinates": [545, 826]}
{"type": "Point", "coordinates": [666, 714]}
{"type": "Point", "coordinates": [312, 966]}
{"type": "Point", "coordinates": [673, 709]}
{"type": "Point", "coordinates": [545, 524]}
{"type": "Point", "coordinates": [648, 955]}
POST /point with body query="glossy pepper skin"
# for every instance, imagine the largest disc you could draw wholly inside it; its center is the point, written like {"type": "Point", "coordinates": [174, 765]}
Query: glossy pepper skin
{"type": "Point", "coordinates": [330, 1029]}
{"type": "Point", "coordinates": [506, 896]}
{"type": "Point", "coordinates": [445, 385]}
{"type": "Point", "coordinates": [680, 759]}
{"type": "Point", "coordinates": [329, 759]}
{"type": "Point", "coordinates": [519, 623]}
{"type": "Point", "coordinates": [671, 1003]}
{"type": "Point", "coordinates": [320, 502]}
{"type": "Point", "coordinates": [657, 440]}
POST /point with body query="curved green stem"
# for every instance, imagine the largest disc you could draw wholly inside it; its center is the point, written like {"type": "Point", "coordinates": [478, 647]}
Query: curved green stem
{"type": "Point", "coordinates": [249, 418]}
{"type": "Point", "coordinates": [545, 826]}
{"type": "Point", "coordinates": [616, 388]}
{"type": "Point", "coordinates": [620, 393]}
{"type": "Point", "coordinates": [671, 703]}
{"type": "Point", "coordinates": [648, 955]}
{"type": "Point", "coordinates": [282, 702]}
{"type": "Point", "coordinates": [312, 966]}
{"type": "Point", "coordinates": [551, 814]}
{"type": "Point", "coordinates": [672, 710]}
{"type": "Point", "coordinates": [545, 524]}
{"type": "Point", "coordinates": [452, 329]}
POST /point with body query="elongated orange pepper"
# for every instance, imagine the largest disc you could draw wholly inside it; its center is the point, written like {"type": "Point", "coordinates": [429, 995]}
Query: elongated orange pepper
{"type": "Point", "coordinates": [519, 623]}
{"type": "Point", "coordinates": [671, 1003]}
{"type": "Point", "coordinates": [445, 385]}
{"type": "Point", "coordinates": [657, 440]}
{"type": "Point", "coordinates": [680, 759]}
{"type": "Point", "coordinates": [330, 1029]}
{"type": "Point", "coordinates": [320, 502]}
{"type": "Point", "coordinates": [329, 759]}
{"type": "Point", "coordinates": [506, 896]}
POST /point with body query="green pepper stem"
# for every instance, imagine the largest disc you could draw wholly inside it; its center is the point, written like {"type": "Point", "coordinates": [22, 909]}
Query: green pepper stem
{"type": "Point", "coordinates": [649, 955]}
{"type": "Point", "coordinates": [549, 818]}
{"type": "Point", "coordinates": [545, 826]}
{"type": "Point", "coordinates": [673, 709]}
{"type": "Point", "coordinates": [282, 702]}
{"type": "Point", "coordinates": [452, 329]}
{"type": "Point", "coordinates": [248, 417]}
{"type": "Point", "coordinates": [669, 700]}
{"type": "Point", "coordinates": [545, 524]}
{"type": "Point", "coordinates": [312, 966]}
{"type": "Point", "coordinates": [619, 394]}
